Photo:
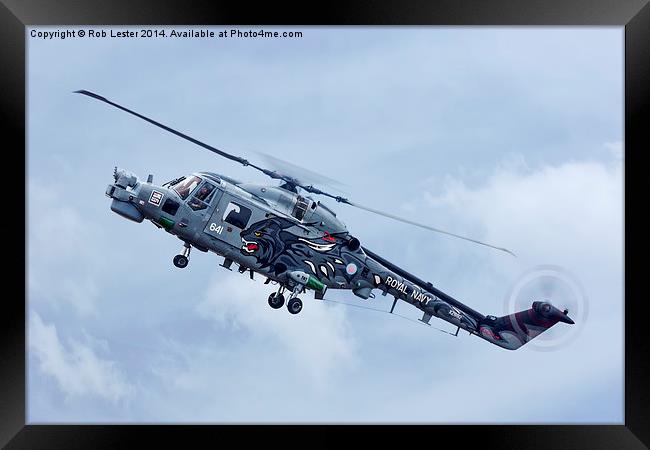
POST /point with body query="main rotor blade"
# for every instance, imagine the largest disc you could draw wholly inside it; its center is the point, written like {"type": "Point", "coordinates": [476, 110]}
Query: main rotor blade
{"type": "Point", "coordinates": [286, 177]}
{"type": "Point", "coordinates": [426, 227]}
{"type": "Point", "coordinates": [340, 199]}
{"type": "Point", "coordinates": [301, 175]}
{"type": "Point", "coordinates": [238, 159]}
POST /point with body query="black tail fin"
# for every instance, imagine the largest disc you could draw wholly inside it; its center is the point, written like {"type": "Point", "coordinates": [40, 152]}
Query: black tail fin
{"type": "Point", "coordinates": [514, 330]}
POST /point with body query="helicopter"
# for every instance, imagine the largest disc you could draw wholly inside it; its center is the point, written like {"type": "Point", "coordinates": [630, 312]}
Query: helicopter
{"type": "Point", "coordinates": [299, 243]}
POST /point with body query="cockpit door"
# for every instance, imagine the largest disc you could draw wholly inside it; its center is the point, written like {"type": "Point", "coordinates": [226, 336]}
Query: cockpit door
{"type": "Point", "coordinates": [203, 197]}
{"type": "Point", "coordinates": [228, 219]}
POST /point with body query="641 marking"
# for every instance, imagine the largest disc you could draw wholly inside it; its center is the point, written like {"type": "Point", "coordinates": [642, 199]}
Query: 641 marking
{"type": "Point", "coordinates": [216, 228]}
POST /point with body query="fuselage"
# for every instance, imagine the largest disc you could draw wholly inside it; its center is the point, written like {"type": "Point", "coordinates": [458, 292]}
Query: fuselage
{"type": "Point", "coordinates": [266, 229]}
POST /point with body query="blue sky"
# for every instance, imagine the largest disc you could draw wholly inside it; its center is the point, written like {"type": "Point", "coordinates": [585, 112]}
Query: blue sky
{"type": "Point", "coordinates": [510, 135]}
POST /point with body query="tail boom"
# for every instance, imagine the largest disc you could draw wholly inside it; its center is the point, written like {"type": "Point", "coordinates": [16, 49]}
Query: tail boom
{"type": "Point", "coordinates": [509, 332]}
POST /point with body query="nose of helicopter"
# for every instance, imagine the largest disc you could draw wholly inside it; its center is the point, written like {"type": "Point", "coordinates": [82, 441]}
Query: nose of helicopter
{"type": "Point", "coordinates": [137, 200]}
{"type": "Point", "coordinates": [126, 193]}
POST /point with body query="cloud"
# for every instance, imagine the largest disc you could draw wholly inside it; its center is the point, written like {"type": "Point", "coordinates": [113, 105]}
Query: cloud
{"type": "Point", "coordinates": [567, 213]}
{"type": "Point", "coordinates": [317, 338]}
{"type": "Point", "coordinates": [76, 367]}
{"type": "Point", "coordinates": [61, 245]}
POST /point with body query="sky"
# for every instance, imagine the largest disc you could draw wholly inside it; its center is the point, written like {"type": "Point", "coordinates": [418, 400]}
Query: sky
{"type": "Point", "coordinates": [511, 135]}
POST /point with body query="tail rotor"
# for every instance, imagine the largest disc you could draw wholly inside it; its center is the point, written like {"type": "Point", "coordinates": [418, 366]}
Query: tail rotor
{"type": "Point", "coordinates": [557, 286]}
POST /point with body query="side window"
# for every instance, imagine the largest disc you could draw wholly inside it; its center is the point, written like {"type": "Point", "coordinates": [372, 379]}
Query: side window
{"type": "Point", "coordinates": [237, 215]}
{"type": "Point", "coordinates": [203, 197]}
{"type": "Point", "coordinates": [170, 207]}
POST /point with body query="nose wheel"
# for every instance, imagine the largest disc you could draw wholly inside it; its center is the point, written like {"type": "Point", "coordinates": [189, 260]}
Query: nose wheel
{"type": "Point", "coordinates": [181, 261]}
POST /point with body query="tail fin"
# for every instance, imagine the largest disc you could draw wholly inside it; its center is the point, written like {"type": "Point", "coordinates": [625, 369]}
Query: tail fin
{"type": "Point", "coordinates": [514, 330]}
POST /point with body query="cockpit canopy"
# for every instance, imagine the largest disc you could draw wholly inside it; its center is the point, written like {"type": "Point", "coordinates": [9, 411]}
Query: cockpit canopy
{"type": "Point", "coordinates": [184, 186]}
{"type": "Point", "coordinates": [199, 190]}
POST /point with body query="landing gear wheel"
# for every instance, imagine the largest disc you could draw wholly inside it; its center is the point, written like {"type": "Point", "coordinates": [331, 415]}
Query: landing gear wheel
{"type": "Point", "coordinates": [294, 306]}
{"type": "Point", "coordinates": [276, 301]}
{"type": "Point", "coordinates": [181, 261]}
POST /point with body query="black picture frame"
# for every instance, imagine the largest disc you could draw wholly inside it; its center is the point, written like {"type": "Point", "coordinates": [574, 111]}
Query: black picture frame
{"type": "Point", "coordinates": [634, 15]}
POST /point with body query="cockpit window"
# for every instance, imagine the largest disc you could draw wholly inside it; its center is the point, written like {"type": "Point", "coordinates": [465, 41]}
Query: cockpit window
{"type": "Point", "coordinates": [185, 187]}
{"type": "Point", "coordinates": [202, 197]}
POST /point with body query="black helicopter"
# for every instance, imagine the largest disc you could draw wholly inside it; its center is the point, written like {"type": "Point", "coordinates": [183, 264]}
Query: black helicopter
{"type": "Point", "coordinates": [298, 242]}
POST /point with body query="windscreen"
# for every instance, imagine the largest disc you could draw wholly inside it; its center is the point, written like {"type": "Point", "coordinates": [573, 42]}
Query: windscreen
{"type": "Point", "coordinates": [185, 187]}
